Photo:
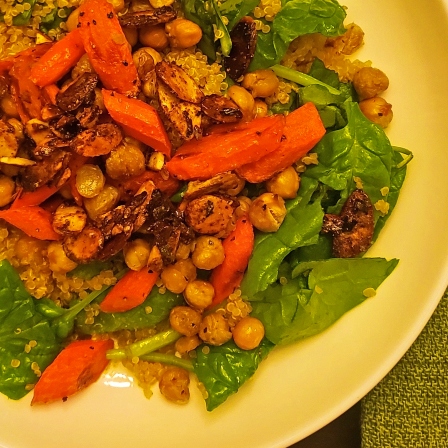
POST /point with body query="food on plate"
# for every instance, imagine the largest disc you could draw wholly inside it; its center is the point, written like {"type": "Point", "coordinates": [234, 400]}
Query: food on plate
{"type": "Point", "coordinates": [184, 186]}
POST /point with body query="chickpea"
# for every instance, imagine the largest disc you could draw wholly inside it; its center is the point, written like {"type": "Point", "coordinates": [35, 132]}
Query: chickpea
{"type": "Point", "coordinates": [267, 212]}
{"type": "Point", "coordinates": [214, 329]}
{"type": "Point", "coordinates": [248, 333]}
{"type": "Point", "coordinates": [154, 37]}
{"type": "Point", "coordinates": [118, 5]}
{"type": "Point", "coordinates": [131, 35]}
{"type": "Point", "coordinates": [160, 3]}
{"type": "Point", "coordinates": [69, 219]}
{"type": "Point", "coordinates": [72, 20]}
{"type": "Point", "coordinates": [103, 202]}
{"type": "Point", "coordinates": [18, 128]}
{"type": "Point", "coordinates": [186, 344]}
{"type": "Point", "coordinates": [174, 384]}
{"type": "Point", "coordinates": [28, 250]}
{"type": "Point", "coordinates": [90, 180]}
{"type": "Point", "coordinates": [261, 83]}
{"type": "Point", "coordinates": [243, 207]}
{"type": "Point", "coordinates": [125, 161]}
{"type": "Point", "coordinates": [187, 268]}
{"type": "Point", "coordinates": [185, 320]}
{"type": "Point", "coordinates": [8, 106]}
{"type": "Point", "coordinates": [183, 33]}
{"type": "Point", "coordinates": [81, 67]}
{"type": "Point", "coordinates": [199, 294]}
{"type": "Point", "coordinates": [285, 184]}
{"type": "Point", "coordinates": [7, 188]}
{"type": "Point", "coordinates": [183, 251]}
{"type": "Point", "coordinates": [58, 260]}
{"type": "Point", "coordinates": [243, 99]}
{"type": "Point", "coordinates": [136, 254]}
{"type": "Point", "coordinates": [260, 109]}
{"type": "Point", "coordinates": [174, 280]}
{"type": "Point", "coordinates": [369, 82]}
{"type": "Point", "coordinates": [208, 252]}
{"type": "Point", "coordinates": [377, 110]}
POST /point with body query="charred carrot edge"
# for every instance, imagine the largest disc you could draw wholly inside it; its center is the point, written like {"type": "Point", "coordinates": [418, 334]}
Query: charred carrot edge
{"type": "Point", "coordinates": [35, 197]}
{"type": "Point", "coordinates": [32, 220]}
{"type": "Point", "coordinates": [77, 366]}
{"type": "Point", "coordinates": [303, 130]}
{"type": "Point", "coordinates": [107, 47]}
{"type": "Point", "coordinates": [139, 120]}
{"type": "Point", "coordinates": [238, 247]}
{"type": "Point", "coordinates": [58, 60]}
{"type": "Point", "coordinates": [130, 291]}
{"type": "Point", "coordinates": [8, 63]}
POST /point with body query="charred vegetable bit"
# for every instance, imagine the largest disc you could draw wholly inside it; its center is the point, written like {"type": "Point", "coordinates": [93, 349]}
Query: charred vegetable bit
{"type": "Point", "coordinates": [221, 109]}
{"type": "Point", "coordinates": [78, 93]}
{"type": "Point", "coordinates": [148, 18]}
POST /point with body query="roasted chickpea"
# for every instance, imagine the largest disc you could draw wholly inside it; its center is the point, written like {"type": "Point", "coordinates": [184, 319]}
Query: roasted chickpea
{"type": "Point", "coordinates": [183, 33]}
{"type": "Point", "coordinates": [186, 344]}
{"type": "Point", "coordinates": [187, 268]}
{"type": "Point", "coordinates": [183, 251]}
{"type": "Point", "coordinates": [199, 294]}
{"type": "Point", "coordinates": [208, 252]}
{"type": "Point", "coordinates": [125, 161]}
{"type": "Point", "coordinates": [103, 202]}
{"type": "Point", "coordinates": [243, 99]}
{"type": "Point", "coordinates": [173, 279]}
{"type": "Point", "coordinates": [243, 207]}
{"type": "Point", "coordinates": [118, 5]}
{"type": "Point", "coordinates": [185, 320]}
{"type": "Point", "coordinates": [174, 385]}
{"type": "Point", "coordinates": [8, 106]}
{"type": "Point", "coordinates": [369, 82]}
{"type": "Point", "coordinates": [7, 188]}
{"type": "Point", "coordinates": [90, 180]}
{"type": "Point", "coordinates": [136, 254]}
{"type": "Point", "coordinates": [29, 250]}
{"type": "Point", "coordinates": [261, 83]}
{"type": "Point", "coordinates": [267, 212]}
{"type": "Point", "coordinates": [260, 109]}
{"type": "Point", "coordinates": [131, 35]}
{"type": "Point", "coordinates": [72, 20]}
{"type": "Point", "coordinates": [214, 329]}
{"type": "Point", "coordinates": [377, 110]}
{"type": "Point", "coordinates": [18, 128]}
{"type": "Point", "coordinates": [160, 3]}
{"type": "Point", "coordinates": [58, 260]}
{"type": "Point", "coordinates": [154, 37]}
{"type": "Point", "coordinates": [285, 184]}
{"type": "Point", "coordinates": [248, 333]}
{"type": "Point", "coordinates": [69, 219]}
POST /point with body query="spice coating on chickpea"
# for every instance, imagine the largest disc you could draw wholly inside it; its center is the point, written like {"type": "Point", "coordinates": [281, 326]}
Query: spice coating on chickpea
{"type": "Point", "coordinates": [185, 320]}
{"type": "Point", "coordinates": [261, 83]}
{"type": "Point", "coordinates": [285, 184]}
{"type": "Point", "coordinates": [267, 212]}
{"type": "Point", "coordinates": [369, 82]}
{"type": "Point", "coordinates": [248, 333]}
{"type": "Point", "coordinates": [377, 110]}
{"type": "Point", "coordinates": [243, 99]}
{"type": "Point", "coordinates": [174, 385]}
{"type": "Point", "coordinates": [173, 279]}
{"type": "Point", "coordinates": [199, 294]}
{"type": "Point", "coordinates": [214, 329]}
{"type": "Point", "coordinates": [183, 33]}
{"type": "Point", "coordinates": [136, 254]}
{"type": "Point", "coordinates": [208, 252]}
{"type": "Point", "coordinates": [186, 344]}
{"type": "Point", "coordinates": [90, 180]}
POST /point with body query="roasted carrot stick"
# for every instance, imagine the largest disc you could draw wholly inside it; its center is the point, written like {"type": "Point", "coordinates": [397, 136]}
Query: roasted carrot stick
{"type": "Point", "coordinates": [8, 63]}
{"type": "Point", "coordinates": [238, 247]}
{"type": "Point", "coordinates": [107, 47]}
{"type": "Point", "coordinates": [77, 366]}
{"type": "Point", "coordinates": [31, 219]}
{"type": "Point", "coordinates": [139, 120]}
{"type": "Point", "coordinates": [303, 130]}
{"type": "Point", "coordinates": [225, 151]}
{"type": "Point", "coordinates": [130, 291]}
{"type": "Point", "coordinates": [35, 197]}
{"type": "Point", "coordinates": [58, 60]}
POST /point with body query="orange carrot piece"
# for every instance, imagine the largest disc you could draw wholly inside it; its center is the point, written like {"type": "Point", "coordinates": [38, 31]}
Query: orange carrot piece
{"type": "Point", "coordinates": [78, 365]}
{"type": "Point", "coordinates": [35, 197]}
{"type": "Point", "coordinates": [139, 120]}
{"type": "Point", "coordinates": [225, 151]}
{"type": "Point", "coordinates": [8, 63]}
{"type": "Point", "coordinates": [58, 60]}
{"type": "Point", "coordinates": [107, 47]}
{"type": "Point", "coordinates": [238, 247]}
{"type": "Point", "coordinates": [33, 220]}
{"type": "Point", "coordinates": [303, 130]}
{"type": "Point", "coordinates": [130, 291]}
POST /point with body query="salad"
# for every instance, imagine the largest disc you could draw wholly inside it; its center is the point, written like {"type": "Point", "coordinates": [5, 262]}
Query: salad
{"type": "Point", "coordinates": [185, 186]}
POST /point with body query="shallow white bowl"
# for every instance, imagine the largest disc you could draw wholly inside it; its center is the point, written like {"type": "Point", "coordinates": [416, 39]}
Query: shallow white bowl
{"type": "Point", "coordinates": [301, 388]}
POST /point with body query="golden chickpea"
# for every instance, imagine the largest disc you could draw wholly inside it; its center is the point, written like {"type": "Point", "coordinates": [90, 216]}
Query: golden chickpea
{"type": "Point", "coordinates": [214, 329]}
{"type": "Point", "coordinates": [186, 344]}
{"type": "Point", "coordinates": [208, 252]}
{"type": "Point", "coordinates": [174, 280]}
{"type": "Point", "coordinates": [65, 191]}
{"type": "Point", "coordinates": [131, 35]}
{"type": "Point", "coordinates": [154, 37]}
{"type": "Point", "coordinates": [183, 33]}
{"type": "Point", "coordinates": [267, 212]}
{"type": "Point", "coordinates": [72, 20]}
{"type": "Point", "coordinates": [58, 260]}
{"type": "Point", "coordinates": [377, 110]}
{"type": "Point", "coordinates": [160, 3]}
{"type": "Point", "coordinates": [369, 82]}
{"type": "Point", "coordinates": [18, 128]}
{"type": "Point", "coordinates": [174, 384]}
{"type": "Point", "coordinates": [187, 268]}
{"type": "Point", "coordinates": [183, 251]}
{"type": "Point", "coordinates": [285, 184]}
{"type": "Point", "coordinates": [103, 202]}
{"type": "Point", "coordinates": [90, 180]}
{"type": "Point", "coordinates": [248, 333]}
{"type": "Point", "coordinates": [125, 161]}
{"type": "Point", "coordinates": [69, 219]}
{"type": "Point", "coordinates": [136, 254]}
{"type": "Point", "coordinates": [243, 207]}
{"type": "Point", "coordinates": [118, 5]}
{"type": "Point", "coordinates": [29, 249]}
{"type": "Point", "coordinates": [185, 320]}
{"type": "Point", "coordinates": [7, 188]}
{"type": "Point", "coordinates": [261, 83]}
{"type": "Point", "coordinates": [243, 99]}
{"type": "Point", "coordinates": [199, 294]}
{"type": "Point", "coordinates": [260, 109]}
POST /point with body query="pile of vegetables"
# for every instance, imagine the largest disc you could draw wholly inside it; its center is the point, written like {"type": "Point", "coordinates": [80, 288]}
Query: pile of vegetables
{"type": "Point", "coordinates": [300, 268]}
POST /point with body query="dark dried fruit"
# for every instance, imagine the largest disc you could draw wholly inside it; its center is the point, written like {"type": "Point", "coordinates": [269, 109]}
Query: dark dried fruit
{"type": "Point", "coordinates": [78, 93]}
{"type": "Point", "coordinates": [148, 18]}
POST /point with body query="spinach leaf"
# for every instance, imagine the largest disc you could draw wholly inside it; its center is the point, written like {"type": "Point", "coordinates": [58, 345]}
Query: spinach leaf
{"type": "Point", "coordinates": [235, 10]}
{"type": "Point", "coordinates": [296, 18]}
{"type": "Point", "coordinates": [301, 227]}
{"type": "Point", "coordinates": [20, 324]}
{"type": "Point", "coordinates": [153, 310]}
{"type": "Point", "coordinates": [319, 293]}
{"type": "Point", "coordinates": [224, 369]}
{"type": "Point", "coordinates": [292, 104]}
{"type": "Point", "coordinates": [52, 20]}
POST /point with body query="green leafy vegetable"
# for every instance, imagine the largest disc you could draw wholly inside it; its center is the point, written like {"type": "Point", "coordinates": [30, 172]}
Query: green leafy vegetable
{"type": "Point", "coordinates": [53, 19]}
{"type": "Point", "coordinates": [235, 10]}
{"type": "Point", "coordinates": [224, 369]}
{"type": "Point", "coordinates": [319, 293]}
{"type": "Point", "coordinates": [224, 40]}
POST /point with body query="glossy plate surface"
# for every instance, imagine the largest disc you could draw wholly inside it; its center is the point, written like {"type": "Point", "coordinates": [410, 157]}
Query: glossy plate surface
{"type": "Point", "coordinates": [301, 388]}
